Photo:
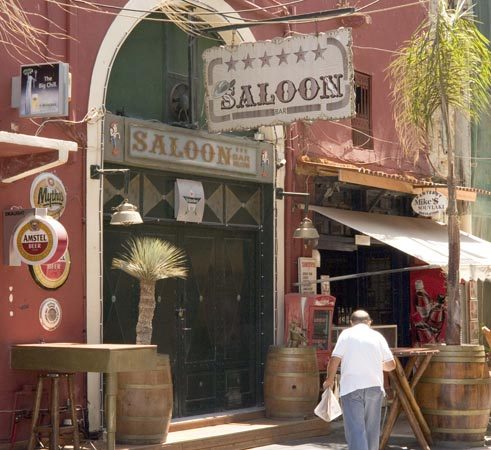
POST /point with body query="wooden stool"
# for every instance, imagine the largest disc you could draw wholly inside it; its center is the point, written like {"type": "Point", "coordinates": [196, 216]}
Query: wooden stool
{"type": "Point", "coordinates": [54, 430]}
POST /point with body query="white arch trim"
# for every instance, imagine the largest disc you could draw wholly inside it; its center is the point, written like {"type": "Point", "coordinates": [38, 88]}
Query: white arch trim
{"type": "Point", "coordinates": [116, 34]}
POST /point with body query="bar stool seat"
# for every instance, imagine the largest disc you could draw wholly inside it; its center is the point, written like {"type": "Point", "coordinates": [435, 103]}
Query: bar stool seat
{"type": "Point", "coordinates": [53, 430]}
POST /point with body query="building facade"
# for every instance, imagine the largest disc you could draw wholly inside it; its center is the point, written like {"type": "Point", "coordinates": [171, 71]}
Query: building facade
{"type": "Point", "coordinates": [137, 101]}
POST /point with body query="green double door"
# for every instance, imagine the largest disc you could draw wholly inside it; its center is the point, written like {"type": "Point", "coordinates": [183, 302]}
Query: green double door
{"type": "Point", "coordinates": [206, 323]}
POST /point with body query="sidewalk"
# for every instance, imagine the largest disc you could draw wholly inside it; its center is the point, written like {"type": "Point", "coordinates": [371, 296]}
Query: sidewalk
{"type": "Point", "coordinates": [401, 439]}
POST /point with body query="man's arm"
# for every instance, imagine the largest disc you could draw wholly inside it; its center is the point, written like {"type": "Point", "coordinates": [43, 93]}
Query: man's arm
{"type": "Point", "coordinates": [388, 366]}
{"type": "Point", "coordinates": [332, 368]}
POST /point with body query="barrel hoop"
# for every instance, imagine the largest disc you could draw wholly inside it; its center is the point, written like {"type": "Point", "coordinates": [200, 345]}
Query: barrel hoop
{"type": "Point", "coordinates": [455, 348]}
{"type": "Point", "coordinates": [138, 437]}
{"type": "Point", "coordinates": [142, 419]}
{"type": "Point", "coordinates": [469, 381]}
{"type": "Point", "coordinates": [294, 374]}
{"type": "Point", "coordinates": [293, 399]}
{"type": "Point", "coordinates": [144, 386]}
{"type": "Point", "coordinates": [292, 358]}
{"type": "Point", "coordinates": [449, 412]}
{"type": "Point", "coordinates": [459, 359]}
{"type": "Point", "coordinates": [459, 430]}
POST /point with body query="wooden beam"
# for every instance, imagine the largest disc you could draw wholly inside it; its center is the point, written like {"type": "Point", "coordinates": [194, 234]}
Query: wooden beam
{"type": "Point", "coordinates": [466, 196]}
{"type": "Point", "coordinates": [390, 184]}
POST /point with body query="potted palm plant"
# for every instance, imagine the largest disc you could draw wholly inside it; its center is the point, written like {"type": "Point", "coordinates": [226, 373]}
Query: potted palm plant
{"type": "Point", "coordinates": [144, 402]}
{"type": "Point", "coordinates": [445, 68]}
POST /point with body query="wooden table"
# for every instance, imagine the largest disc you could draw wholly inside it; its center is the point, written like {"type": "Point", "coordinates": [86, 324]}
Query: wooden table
{"type": "Point", "coordinates": [105, 358]}
{"type": "Point", "coordinates": [404, 380]}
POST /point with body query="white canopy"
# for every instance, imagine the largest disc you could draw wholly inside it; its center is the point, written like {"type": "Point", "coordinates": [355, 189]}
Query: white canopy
{"type": "Point", "coordinates": [424, 239]}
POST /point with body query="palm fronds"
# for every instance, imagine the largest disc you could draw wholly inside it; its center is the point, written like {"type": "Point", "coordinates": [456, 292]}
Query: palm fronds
{"type": "Point", "coordinates": [151, 259]}
{"type": "Point", "coordinates": [446, 60]}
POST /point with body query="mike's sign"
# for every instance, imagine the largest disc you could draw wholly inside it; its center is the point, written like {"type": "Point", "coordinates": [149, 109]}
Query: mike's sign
{"type": "Point", "coordinates": [265, 83]}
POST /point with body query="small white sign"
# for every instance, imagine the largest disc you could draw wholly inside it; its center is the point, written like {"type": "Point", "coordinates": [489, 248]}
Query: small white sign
{"type": "Point", "coordinates": [307, 275]}
{"type": "Point", "coordinates": [50, 314]}
{"type": "Point", "coordinates": [429, 203]}
{"type": "Point", "coordinates": [362, 239]}
{"type": "Point", "coordinates": [325, 285]}
{"type": "Point", "coordinates": [189, 201]}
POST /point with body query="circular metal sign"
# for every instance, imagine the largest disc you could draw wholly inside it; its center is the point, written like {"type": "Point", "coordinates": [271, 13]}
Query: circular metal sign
{"type": "Point", "coordinates": [429, 203]}
{"type": "Point", "coordinates": [53, 275]}
{"type": "Point", "coordinates": [50, 314]}
{"type": "Point", "coordinates": [40, 240]}
{"type": "Point", "coordinates": [48, 191]}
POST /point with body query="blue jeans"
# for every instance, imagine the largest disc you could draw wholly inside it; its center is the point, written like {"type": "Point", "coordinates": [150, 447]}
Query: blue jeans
{"type": "Point", "coordinates": [361, 412]}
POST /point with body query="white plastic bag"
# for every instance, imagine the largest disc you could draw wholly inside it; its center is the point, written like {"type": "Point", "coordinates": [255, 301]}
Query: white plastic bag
{"type": "Point", "coordinates": [328, 408]}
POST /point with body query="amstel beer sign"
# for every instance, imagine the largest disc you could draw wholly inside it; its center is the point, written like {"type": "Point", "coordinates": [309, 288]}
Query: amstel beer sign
{"type": "Point", "coordinates": [40, 240]}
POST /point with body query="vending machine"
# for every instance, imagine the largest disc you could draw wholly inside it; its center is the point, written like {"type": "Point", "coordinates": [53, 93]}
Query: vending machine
{"type": "Point", "coordinates": [308, 321]}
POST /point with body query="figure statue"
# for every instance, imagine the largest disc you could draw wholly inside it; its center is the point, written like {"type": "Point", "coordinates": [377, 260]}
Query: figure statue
{"type": "Point", "coordinates": [296, 336]}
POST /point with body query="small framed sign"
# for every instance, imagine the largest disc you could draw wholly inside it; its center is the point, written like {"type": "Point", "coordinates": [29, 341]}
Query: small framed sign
{"type": "Point", "coordinates": [307, 275]}
{"type": "Point", "coordinates": [44, 90]}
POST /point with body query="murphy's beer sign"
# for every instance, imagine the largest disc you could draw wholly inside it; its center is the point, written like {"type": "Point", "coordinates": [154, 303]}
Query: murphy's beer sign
{"type": "Point", "coordinates": [275, 82]}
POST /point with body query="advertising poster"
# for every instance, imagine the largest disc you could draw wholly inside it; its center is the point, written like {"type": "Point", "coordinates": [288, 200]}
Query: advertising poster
{"type": "Point", "coordinates": [44, 90]}
{"type": "Point", "coordinates": [428, 307]}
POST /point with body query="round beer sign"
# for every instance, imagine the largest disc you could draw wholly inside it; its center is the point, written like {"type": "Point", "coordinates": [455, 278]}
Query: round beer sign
{"type": "Point", "coordinates": [50, 314]}
{"type": "Point", "coordinates": [40, 240]}
{"type": "Point", "coordinates": [48, 191]}
{"type": "Point", "coordinates": [52, 275]}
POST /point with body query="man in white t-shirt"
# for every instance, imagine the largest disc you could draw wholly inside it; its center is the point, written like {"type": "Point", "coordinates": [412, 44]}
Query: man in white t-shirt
{"type": "Point", "coordinates": [364, 355]}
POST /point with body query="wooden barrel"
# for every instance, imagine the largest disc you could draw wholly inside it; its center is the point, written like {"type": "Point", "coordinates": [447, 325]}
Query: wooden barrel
{"type": "Point", "coordinates": [144, 405]}
{"type": "Point", "coordinates": [291, 382]}
{"type": "Point", "coordinates": [454, 394]}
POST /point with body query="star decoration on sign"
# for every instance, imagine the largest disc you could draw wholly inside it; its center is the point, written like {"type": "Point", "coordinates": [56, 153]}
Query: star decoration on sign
{"type": "Point", "coordinates": [248, 61]}
{"type": "Point", "coordinates": [283, 57]}
{"type": "Point", "coordinates": [318, 51]}
{"type": "Point", "coordinates": [300, 54]}
{"type": "Point", "coordinates": [265, 60]}
{"type": "Point", "coordinates": [231, 64]}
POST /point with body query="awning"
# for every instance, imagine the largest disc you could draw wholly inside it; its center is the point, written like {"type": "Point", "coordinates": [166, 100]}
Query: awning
{"type": "Point", "coordinates": [424, 239]}
{"type": "Point", "coordinates": [23, 155]}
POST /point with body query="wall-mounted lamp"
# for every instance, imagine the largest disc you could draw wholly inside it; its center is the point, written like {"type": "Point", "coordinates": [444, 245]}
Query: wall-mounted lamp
{"type": "Point", "coordinates": [124, 214]}
{"type": "Point", "coordinates": [306, 229]}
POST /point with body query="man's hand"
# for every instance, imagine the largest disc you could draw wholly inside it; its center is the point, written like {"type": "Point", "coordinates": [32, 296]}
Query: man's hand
{"type": "Point", "coordinates": [328, 383]}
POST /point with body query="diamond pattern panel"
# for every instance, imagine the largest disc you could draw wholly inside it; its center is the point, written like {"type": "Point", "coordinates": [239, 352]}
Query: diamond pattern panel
{"type": "Point", "coordinates": [114, 190]}
{"type": "Point", "coordinates": [158, 196]}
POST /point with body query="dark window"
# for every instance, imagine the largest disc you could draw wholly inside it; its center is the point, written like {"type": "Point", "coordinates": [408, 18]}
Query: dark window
{"type": "Point", "coordinates": [362, 123]}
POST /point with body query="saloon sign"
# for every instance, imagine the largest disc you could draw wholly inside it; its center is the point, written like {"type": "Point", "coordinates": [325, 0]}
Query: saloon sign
{"type": "Point", "coordinates": [265, 83]}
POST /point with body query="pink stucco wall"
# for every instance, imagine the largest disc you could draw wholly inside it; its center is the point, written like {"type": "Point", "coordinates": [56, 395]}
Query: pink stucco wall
{"type": "Point", "coordinates": [20, 296]}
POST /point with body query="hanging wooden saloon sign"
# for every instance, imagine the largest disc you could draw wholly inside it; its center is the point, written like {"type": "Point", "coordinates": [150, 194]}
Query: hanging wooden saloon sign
{"type": "Point", "coordinates": [275, 82]}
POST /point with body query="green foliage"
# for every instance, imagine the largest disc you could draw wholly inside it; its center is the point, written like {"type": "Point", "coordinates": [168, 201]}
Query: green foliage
{"type": "Point", "coordinates": [151, 259]}
{"type": "Point", "coordinates": [446, 63]}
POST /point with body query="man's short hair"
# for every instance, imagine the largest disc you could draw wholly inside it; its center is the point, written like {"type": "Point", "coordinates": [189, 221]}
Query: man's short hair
{"type": "Point", "coordinates": [360, 316]}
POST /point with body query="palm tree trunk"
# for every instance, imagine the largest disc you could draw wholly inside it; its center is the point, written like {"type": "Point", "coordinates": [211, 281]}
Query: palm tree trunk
{"type": "Point", "coordinates": [452, 336]}
{"type": "Point", "coordinates": [146, 308]}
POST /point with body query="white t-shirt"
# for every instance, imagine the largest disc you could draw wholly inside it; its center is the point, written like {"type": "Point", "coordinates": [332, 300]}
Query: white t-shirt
{"type": "Point", "coordinates": [362, 352]}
